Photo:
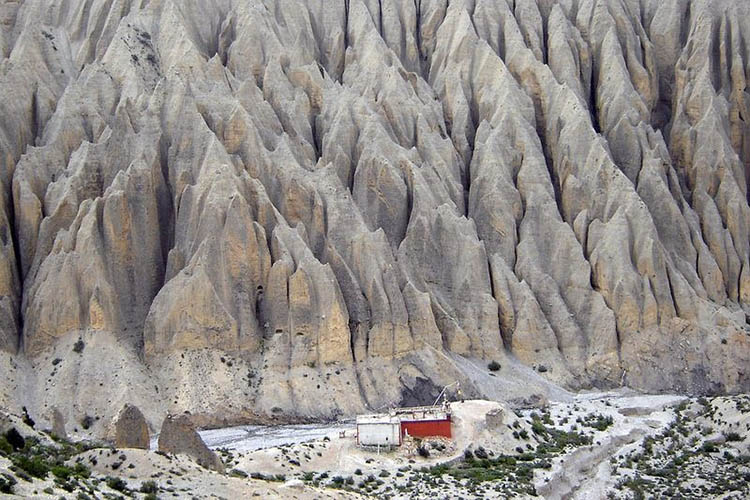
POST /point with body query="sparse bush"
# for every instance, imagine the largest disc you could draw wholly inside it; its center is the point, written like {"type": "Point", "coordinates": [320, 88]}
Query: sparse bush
{"type": "Point", "coordinates": [6, 484]}
{"type": "Point", "coordinates": [538, 427]}
{"type": "Point", "coordinates": [61, 472]}
{"type": "Point", "coordinates": [494, 366]}
{"type": "Point", "coordinates": [709, 447]}
{"type": "Point", "coordinates": [732, 436]}
{"type": "Point", "coordinates": [5, 447]}
{"type": "Point", "coordinates": [79, 346]}
{"type": "Point", "coordinates": [598, 422]}
{"type": "Point", "coordinates": [152, 487]}
{"type": "Point", "coordinates": [34, 466]}
{"type": "Point", "coordinates": [116, 483]}
{"type": "Point", "coordinates": [87, 421]}
{"type": "Point", "coordinates": [81, 470]}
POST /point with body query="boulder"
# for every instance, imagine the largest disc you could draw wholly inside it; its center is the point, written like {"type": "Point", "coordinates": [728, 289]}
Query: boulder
{"type": "Point", "coordinates": [495, 418]}
{"type": "Point", "coordinates": [58, 424]}
{"type": "Point", "coordinates": [131, 429]}
{"type": "Point", "coordinates": [178, 435]}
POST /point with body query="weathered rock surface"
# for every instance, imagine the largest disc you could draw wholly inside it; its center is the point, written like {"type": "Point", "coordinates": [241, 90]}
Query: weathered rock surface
{"type": "Point", "coordinates": [58, 424]}
{"type": "Point", "coordinates": [345, 197]}
{"type": "Point", "coordinates": [178, 436]}
{"type": "Point", "coordinates": [131, 429]}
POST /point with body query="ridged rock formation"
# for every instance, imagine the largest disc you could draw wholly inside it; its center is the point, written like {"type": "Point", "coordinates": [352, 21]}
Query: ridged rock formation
{"type": "Point", "coordinates": [349, 197]}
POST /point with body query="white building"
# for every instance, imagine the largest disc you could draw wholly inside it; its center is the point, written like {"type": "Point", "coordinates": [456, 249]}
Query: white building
{"type": "Point", "coordinates": [379, 430]}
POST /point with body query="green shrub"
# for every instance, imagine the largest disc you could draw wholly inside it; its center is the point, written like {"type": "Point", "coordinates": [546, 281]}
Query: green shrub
{"type": "Point", "coordinates": [116, 483]}
{"type": "Point", "coordinates": [82, 471]}
{"type": "Point", "coordinates": [152, 487]}
{"type": "Point", "coordinates": [34, 466]}
{"type": "Point", "coordinates": [6, 484]}
{"type": "Point", "coordinates": [709, 447]}
{"type": "Point", "coordinates": [61, 472]}
{"type": "Point", "coordinates": [5, 447]}
{"type": "Point", "coordinates": [538, 427]}
{"type": "Point", "coordinates": [732, 436]}
{"type": "Point", "coordinates": [598, 422]}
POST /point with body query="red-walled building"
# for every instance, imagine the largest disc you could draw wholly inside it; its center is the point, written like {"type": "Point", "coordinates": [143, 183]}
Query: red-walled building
{"type": "Point", "coordinates": [426, 428]}
{"type": "Point", "coordinates": [420, 422]}
{"type": "Point", "coordinates": [425, 421]}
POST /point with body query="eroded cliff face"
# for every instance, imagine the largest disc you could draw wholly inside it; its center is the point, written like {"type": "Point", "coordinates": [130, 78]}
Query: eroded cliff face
{"type": "Point", "coordinates": [377, 188]}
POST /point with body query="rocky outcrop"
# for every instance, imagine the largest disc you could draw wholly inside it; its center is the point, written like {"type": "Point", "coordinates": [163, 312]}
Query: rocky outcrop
{"type": "Point", "coordinates": [344, 196]}
{"type": "Point", "coordinates": [131, 429]}
{"type": "Point", "coordinates": [178, 436]}
{"type": "Point", "coordinates": [58, 424]}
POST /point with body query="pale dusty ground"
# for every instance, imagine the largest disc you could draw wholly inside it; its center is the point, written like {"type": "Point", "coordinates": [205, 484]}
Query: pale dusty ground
{"type": "Point", "coordinates": [304, 469]}
{"type": "Point", "coordinates": [178, 476]}
{"type": "Point", "coordinates": [582, 472]}
{"type": "Point", "coordinates": [342, 456]}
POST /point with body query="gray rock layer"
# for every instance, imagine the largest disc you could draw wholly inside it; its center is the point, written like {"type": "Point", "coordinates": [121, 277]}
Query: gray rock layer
{"type": "Point", "coordinates": [379, 187]}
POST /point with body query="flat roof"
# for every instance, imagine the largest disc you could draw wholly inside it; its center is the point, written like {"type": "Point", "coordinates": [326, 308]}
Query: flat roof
{"type": "Point", "coordinates": [416, 413]}
{"type": "Point", "coordinates": [377, 418]}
